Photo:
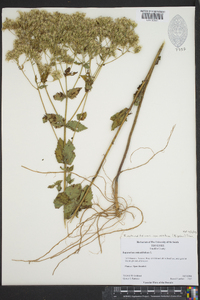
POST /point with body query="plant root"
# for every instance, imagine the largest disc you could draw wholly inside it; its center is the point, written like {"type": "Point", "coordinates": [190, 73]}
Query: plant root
{"type": "Point", "coordinates": [96, 222]}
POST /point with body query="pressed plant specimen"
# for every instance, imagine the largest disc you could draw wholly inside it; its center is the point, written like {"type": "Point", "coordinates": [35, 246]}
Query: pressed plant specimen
{"type": "Point", "coordinates": [71, 50]}
{"type": "Point", "coordinates": [52, 44]}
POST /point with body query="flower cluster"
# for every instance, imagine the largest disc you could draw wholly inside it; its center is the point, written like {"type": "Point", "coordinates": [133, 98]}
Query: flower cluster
{"type": "Point", "coordinates": [66, 37]}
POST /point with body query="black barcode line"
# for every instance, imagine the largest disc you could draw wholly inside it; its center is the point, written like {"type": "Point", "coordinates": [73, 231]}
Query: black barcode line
{"type": "Point", "coordinates": [152, 16]}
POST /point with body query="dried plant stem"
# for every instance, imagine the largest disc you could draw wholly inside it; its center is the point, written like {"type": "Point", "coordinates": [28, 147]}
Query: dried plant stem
{"type": "Point", "coordinates": [85, 100]}
{"type": "Point", "coordinates": [42, 99]}
{"type": "Point", "coordinates": [65, 130]}
{"type": "Point", "coordinates": [46, 112]}
{"type": "Point", "coordinates": [122, 162]}
{"type": "Point", "coordinates": [59, 78]}
{"type": "Point", "coordinates": [117, 57]}
{"type": "Point", "coordinates": [27, 78]}
{"type": "Point", "coordinates": [83, 233]}
{"type": "Point", "coordinates": [86, 235]}
{"type": "Point", "coordinates": [78, 76]}
{"type": "Point", "coordinates": [138, 97]}
{"type": "Point", "coordinates": [85, 95]}
{"type": "Point", "coordinates": [50, 100]}
{"type": "Point", "coordinates": [139, 94]}
{"type": "Point", "coordinates": [154, 154]}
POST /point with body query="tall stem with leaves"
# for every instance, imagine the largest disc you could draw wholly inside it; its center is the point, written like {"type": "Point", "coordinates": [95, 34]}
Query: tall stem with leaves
{"type": "Point", "coordinates": [62, 46]}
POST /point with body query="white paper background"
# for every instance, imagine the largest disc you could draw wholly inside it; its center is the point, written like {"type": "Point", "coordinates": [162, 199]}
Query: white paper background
{"type": "Point", "coordinates": [165, 189]}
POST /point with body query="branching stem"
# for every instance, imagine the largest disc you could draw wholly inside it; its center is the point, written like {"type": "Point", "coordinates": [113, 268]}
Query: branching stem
{"type": "Point", "coordinates": [50, 100]}
{"type": "Point", "coordinates": [65, 129]}
{"type": "Point", "coordinates": [140, 93]}
{"type": "Point", "coordinates": [42, 99]}
{"type": "Point", "coordinates": [138, 97]}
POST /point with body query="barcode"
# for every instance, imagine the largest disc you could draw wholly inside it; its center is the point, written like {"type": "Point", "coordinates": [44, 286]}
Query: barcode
{"type": "Point", "coordinates": [152, 15]}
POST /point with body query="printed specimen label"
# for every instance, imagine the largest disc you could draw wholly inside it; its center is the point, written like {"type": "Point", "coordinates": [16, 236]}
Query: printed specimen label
{"type": "Point", "coordinates": [158, 261]}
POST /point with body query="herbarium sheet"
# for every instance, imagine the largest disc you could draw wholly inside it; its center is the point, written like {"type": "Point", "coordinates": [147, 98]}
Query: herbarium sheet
{"type": "Point", "coordinates": [98, 130]}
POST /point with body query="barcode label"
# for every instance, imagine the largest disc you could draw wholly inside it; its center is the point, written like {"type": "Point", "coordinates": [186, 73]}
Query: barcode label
{"type": "Point", "coordinates": [152, 15]}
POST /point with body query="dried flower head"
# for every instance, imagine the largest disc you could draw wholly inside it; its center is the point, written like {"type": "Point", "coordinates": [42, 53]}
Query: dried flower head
{"type": "Point", "coordinates": [65, 36]}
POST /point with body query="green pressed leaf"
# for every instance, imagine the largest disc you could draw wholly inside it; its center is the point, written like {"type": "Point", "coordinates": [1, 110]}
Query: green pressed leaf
{"type": "Point", "coordinates": [87, 202]}
{"type": "Point", "coordinates": [68, 73]}
{"type": "Point", "coordinates": [67, 169]}
{"type": "Point", "coordinates": [56, 120]}
{"type": "Point", "coordinates": [59, 151]}
{"type": "Point", "coordinates": [57, 184]}
{"type": "Point", "coordinates": [69, 209]}
{"type": "Point", "coordinates": [59, 96]}
{"type": "Point", "coordinates": [65, 153]}
{"type": "Point", "coordinates": [73, 191]}
{"type": "Point", "coordinates": [68, 153]}
{"type": "Point", "coordinates": [75, 126]}
{"type": "Point", "coordinates": [73, 92]}
{"type": "Point", "coordinates": [82, 116]}
{"type": "Point", "coordinates": [44, 119]}
{"type": "Point", "coordinates": [77, 63]}
{"type": "Point", "coordinates": [60, 200]}
{"type": "Point", "coordinates": [75, 194]}
{"type": "Point", "coordinates": [69, 179]}
{"type": "Point", "coordinates": [42, 86]}
{"type": "Point", "coordinates": [70, 169]}
{"type": "Point", "coordinates": [88, 82]}
{"type": "Point", "coordinates": [86, 65]}
{"type": "Point", "coordinates": [118, 118]}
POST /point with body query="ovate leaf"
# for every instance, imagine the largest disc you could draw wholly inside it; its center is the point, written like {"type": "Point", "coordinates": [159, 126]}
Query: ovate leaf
{"type": "Point", "coordinates": [87, 202]}
{"type": "Point", "coordinates": [69, 179]}
{"type": "Point", "coordinates": [68, 153]}
{"type": "Point", "coordinates": [82, 116]}
{"type": "Point", "coordinates": [59, 96]}
{"type": "Point", "coordinates": [59, 151]}
{"type": "Point", "coordinates": [118, 118]}
{"type": "Point", "coordinates": [65, 153]}
{"type": "Point", "coordinates": [73, 92]}
{"type": "Point", "coordinates": [69, 209]}
{"type": "Point", "coordinates": [75, 126]}
{"type": "Point", "coordinates": [56, 120]}
{"type": "Point", "coordinates": [73, 191]}
{"type": "Point", "coordinates": [60, 200]}
{"type": "Point", "coordinates": [75, 194]}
